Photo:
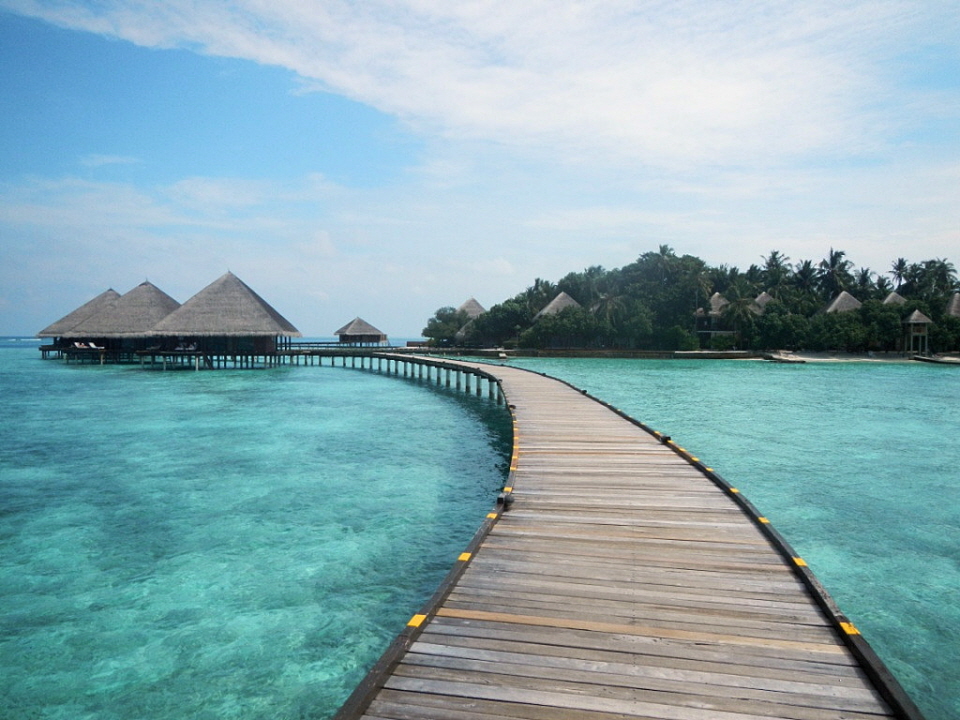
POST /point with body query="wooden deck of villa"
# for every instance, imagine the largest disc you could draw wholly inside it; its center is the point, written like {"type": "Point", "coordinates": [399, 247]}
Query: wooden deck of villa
{"type": "Point", "coordinates": [620, 578]}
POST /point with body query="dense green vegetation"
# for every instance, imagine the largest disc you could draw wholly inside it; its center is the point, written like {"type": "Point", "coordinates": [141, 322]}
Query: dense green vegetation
{"type": "Point", "coordinates": [653, 303]}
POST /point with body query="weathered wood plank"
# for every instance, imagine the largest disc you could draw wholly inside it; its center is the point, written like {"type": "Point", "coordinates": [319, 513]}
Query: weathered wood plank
{"type": "Point", "coordinates": [623, 583]}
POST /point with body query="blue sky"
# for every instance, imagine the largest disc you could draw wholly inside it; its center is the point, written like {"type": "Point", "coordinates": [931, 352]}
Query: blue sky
{"type": "Point", "coordinates": [384, 159]}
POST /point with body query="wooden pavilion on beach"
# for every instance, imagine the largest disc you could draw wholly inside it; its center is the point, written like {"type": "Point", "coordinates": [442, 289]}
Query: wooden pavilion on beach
{"type": "Point", "coordinates": [359, 332]}
{"type": "Point", "coordinates": [916, 333]}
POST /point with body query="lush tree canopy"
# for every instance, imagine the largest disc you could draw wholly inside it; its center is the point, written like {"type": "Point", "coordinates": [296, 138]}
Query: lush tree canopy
{"type": "Point", "coordinates": [662, 301]}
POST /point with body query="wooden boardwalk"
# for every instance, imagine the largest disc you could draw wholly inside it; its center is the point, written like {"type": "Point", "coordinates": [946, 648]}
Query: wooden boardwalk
{"type": "Point", "coordinates": [625, 580]}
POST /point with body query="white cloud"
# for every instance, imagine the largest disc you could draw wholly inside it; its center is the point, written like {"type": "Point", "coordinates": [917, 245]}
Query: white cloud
{"type": "Point", "coordinates": [664, 84]}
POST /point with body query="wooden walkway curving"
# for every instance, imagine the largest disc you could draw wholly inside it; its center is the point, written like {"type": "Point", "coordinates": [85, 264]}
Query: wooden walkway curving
{"type": "Point", "coordinates": [625, 580]}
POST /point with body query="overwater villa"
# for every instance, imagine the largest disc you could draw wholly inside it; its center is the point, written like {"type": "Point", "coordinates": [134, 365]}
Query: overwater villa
{"type": "Point", "coordinates": [226, 318]}
{"type": "Point", "coordinates": [225, 322]}
{"type": "Point", "coordinates": [359, 332]}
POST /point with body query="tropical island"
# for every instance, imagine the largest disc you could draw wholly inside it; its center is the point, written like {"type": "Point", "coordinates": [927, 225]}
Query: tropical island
{"type": "Point", "coordinates": [665, 301]}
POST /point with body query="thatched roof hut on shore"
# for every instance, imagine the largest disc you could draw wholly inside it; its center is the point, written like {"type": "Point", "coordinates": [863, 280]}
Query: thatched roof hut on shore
{"type": "Point", "coordinates": [717, 303]}
{"type": "Point", "coordinates": [131, 315]}
{"type": "Point", "coordinates": [88, 309]}
{"type": "Point", "coordinates": [561, 302]}
{"type": "Point", "coordinates": [760, 302]}
{"type": "Point", "coordinates": [472, 308]}
{"type": "Point", "coordinates": [359, 332]}
{"type": "Point", "coordinates": [953, 306]}
{"type": "Point", "coordinates": [844, 302]}
{"type": "Point", "coordinates": [894, 298]}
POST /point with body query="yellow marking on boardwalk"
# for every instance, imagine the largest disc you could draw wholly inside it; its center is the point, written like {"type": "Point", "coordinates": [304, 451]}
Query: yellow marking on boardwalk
{"type": "Point", "coordinates": [622, 582]}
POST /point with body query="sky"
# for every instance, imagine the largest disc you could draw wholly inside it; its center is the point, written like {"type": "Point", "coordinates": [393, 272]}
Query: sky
{"type": "Point", "coordinates": [383, 159]}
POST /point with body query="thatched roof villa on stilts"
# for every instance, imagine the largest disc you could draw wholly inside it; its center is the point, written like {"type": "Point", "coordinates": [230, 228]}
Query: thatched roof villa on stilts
{"type": "Point", "coordinates": [119, 327]}
{"type": "Point", "coordinates": [359, 332]}
{"type": "Point", "coordinates": [69, 321]}
{"type": "Point", "coordinates": [226, 322]}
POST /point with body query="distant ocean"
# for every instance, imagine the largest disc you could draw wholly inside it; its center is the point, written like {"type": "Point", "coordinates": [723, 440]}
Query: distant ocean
{"type": "Point", "coordinates": [244, 544]}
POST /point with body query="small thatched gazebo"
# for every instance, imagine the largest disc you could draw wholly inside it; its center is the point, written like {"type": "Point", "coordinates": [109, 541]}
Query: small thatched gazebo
{"type": "Point", "coordinates": [916, 332]}
{"type": "Point", "coordinates": [226, 318]}
{"type": "Point", "coordinates": [126, 321]}
{"type": "Point", "coordinates": [894, 298]}
{"type": "Point", "coordinates": [844, 302]}
{"type": "Point", "coordinates": [561, 302]}
{"type": "Point", "coordinates": [359, 332]}
{"type": "Point", "coordinates": [71, 320]}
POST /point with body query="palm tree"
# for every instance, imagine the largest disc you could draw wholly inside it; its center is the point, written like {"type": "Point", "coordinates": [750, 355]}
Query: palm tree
{"type": "Point", "coordinates": [740, 310]}
{"type": "Point", "coordinates": [899, 271]}
{"type": "Point", "coordinates": [804, 276]}
{"type": "Point", "coordinates": [884, 287]}
{"type": "Point", "coordinates": [776, 272]}
{"type": "Point", "coordinates": [833, 273]}
{"type": "Point", "coordinates": [863, 282]}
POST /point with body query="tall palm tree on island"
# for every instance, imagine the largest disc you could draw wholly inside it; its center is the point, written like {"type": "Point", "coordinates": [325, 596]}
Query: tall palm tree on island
{"type": "Point", "coordinates": [833, 273]}
{"type": "Point", "coordinates": [899, 271]}
{"type": "Point", "coordinates": [776, 273]}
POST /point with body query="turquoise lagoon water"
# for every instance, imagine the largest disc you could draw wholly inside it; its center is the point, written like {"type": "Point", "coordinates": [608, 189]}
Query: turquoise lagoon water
{"type": "Point", "coordinates": [244, 544]}
{"type": "Point", "coordinates": [856, 464]}
{"type": "Point", "coordinates": [233, 544]}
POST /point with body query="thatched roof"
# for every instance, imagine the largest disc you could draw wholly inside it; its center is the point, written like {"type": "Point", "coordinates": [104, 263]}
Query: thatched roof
{"type": "Point", "coordinates": [763, 298]}
{"type": "Point", "coordinates": [953, 307]}
{"type": "Point", "coordinates": [227, 307]}
{"type": "Point", "coordinates": [359, 327]}
{"type": "Point", "coordinates": [894, 298]}
{"type": "Point", "coordinates": [88, 309]}
{"type": "Point", "coordinates": [133, 314]}
{"type": "Point", "coordinates": [560, 302]}
{"type": "Point", "coordinates": [717, 303]}
{"type": "Point", "coordinates": [917, 318]}
{"type": "Point", "coordinates": [844, 302]}
{"type": "Point", "coordinates": [472, 308]}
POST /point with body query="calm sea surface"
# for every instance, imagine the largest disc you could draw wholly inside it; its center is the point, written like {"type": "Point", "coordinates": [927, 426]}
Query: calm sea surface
{"type": "Point", "coordinates": [244, 544]}
{"type": "Point", "coordinates": [232, 544]}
